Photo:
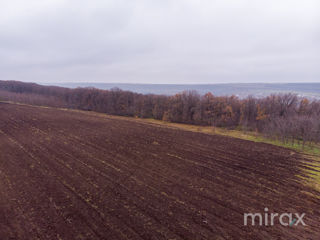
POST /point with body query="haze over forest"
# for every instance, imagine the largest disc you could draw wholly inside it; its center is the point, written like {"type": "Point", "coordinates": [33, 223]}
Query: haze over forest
{"type": "Point", "coordinates": [309, 90]}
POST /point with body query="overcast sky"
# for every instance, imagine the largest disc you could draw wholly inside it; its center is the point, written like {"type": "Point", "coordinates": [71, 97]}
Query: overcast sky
{"type": "Point", "coordinates": [160, 41]}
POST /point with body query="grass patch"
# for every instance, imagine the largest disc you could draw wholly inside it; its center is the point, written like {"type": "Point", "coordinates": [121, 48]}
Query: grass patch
{"type": "Point", "coordinates": [313, 173]}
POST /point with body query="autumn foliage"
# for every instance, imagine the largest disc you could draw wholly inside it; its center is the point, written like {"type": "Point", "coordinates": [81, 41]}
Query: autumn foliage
{"type": "Point", "coordinates": [283, 116]}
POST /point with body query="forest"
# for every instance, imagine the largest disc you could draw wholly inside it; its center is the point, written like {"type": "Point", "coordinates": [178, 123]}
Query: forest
{"type": "Point", "coordinates": [285, 117]}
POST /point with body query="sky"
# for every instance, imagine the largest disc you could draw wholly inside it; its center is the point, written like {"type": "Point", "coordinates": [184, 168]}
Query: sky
{"type": "Point", "coordinates": [167, 41]}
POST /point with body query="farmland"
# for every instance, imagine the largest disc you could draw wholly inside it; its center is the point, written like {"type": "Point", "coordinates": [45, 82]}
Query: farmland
{"type": "Point", "coordinates": [80, 175]}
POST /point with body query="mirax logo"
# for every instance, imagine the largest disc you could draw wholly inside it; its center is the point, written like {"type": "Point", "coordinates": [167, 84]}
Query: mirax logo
{"type": "Point", "coordinates": [270, 219]}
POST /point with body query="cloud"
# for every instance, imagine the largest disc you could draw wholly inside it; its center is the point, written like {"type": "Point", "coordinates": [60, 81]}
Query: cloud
{"type": "Point", "coordinates": [176, 41]}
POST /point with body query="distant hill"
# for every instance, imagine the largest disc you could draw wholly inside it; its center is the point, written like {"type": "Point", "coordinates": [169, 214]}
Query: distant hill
{"type": "Point", "coordinates": [311, 90]}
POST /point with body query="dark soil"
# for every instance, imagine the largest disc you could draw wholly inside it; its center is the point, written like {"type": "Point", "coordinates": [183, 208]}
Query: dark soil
{"type": "Point", "coordinates": [77, 175]}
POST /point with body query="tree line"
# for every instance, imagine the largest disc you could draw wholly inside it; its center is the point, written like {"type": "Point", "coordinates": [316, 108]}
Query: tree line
{"type": "Point", "coordinates": [282, 116]}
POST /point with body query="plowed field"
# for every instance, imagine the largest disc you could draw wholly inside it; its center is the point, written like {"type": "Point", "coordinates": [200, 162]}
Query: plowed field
{"type": "Point", "coordinates": [80, 175]}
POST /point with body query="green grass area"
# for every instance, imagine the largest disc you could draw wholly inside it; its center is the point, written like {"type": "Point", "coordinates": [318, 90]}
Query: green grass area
{"type": "Point", "coordinates": [315, 178]}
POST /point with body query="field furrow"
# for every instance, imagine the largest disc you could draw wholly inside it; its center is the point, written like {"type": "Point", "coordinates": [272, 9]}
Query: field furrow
{"type": "Point", "coordinates": [76, 175]}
